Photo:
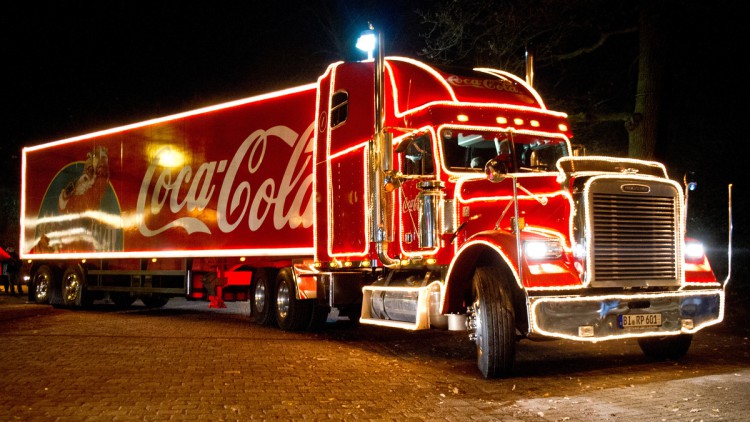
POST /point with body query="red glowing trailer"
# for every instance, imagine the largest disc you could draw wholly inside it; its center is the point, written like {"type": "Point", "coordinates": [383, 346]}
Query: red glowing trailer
{"type": "Point", "coordinates": [391, 192]}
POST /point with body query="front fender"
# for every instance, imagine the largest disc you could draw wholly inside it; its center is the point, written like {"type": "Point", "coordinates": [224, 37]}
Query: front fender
{"type": "Point", "coordinates": [494, 249]}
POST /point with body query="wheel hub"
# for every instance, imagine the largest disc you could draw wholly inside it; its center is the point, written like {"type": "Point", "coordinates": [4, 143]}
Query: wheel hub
{"type": "Point", "coordinates": [472, 322]}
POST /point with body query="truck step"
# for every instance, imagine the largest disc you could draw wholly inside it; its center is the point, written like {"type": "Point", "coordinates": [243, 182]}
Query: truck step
{"type": "Point", "coordinates": [405, 307]}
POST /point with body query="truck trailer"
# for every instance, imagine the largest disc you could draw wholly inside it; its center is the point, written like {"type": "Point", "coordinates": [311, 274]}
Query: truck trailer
{"type": "Point", "coordinates": [391, 192]}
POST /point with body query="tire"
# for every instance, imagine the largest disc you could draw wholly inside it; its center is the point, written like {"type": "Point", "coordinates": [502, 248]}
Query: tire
{"type": "Point", "coordinates": [494, 323]}
{"type": "Point", "coordinates": [319, 317]}
{"type": "Point", "coordinates": [292, 314]}
{"type": "Point", "coordinates": [667, 347]}
{"type": "Point", "coordinates": [73, 288]}
{"type": "Point", "coordinates": [262, 297]}
{"type": "Point", "coordinates": [155, 301]}
{"type": "Point", "coordinates": [353, 312]}
{"type": "Point", "coordinates": [121, 299]}
{"type": "Point", "coordinates": [41, 284]}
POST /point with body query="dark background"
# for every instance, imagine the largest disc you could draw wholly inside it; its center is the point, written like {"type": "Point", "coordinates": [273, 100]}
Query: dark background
{"type": "Point", "coordinates": [77, 67]}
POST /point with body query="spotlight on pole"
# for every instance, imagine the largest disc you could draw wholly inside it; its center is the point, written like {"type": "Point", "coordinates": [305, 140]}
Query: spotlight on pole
{"type": "Point", "coordinates": [366, 42]}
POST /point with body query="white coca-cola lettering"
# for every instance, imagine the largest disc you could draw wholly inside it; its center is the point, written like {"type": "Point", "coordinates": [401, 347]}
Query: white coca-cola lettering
{"type": "Point", "coordinates": [494, 84]}
{"type": "Point", "coordinates": [411, 205]}
{"type": "Point", "coordinates": [236, 202]}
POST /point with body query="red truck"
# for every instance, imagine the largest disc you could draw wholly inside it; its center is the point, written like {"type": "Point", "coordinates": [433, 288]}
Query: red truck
{"type": "Point", "coordinates": [389, 191]}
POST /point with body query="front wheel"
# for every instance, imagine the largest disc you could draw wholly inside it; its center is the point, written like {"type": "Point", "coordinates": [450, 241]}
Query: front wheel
{"type": "Point", "coordinates": [493, 322]}
{"type": "Point", "coordinates": [667, 347]}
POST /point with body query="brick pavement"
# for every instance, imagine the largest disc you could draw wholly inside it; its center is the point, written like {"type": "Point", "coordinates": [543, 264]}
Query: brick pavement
{"type": "Point", "coordinates": [185, 362]}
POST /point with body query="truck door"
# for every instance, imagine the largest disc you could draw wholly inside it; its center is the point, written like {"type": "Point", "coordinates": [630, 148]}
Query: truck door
{"type": "Point", "coordinates": [416, 218]}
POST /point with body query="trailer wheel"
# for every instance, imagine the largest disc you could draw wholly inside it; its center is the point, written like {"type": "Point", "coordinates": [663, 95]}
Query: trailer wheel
{"type": "Point", "coordinates": [494, 323]}
{"type": "Point", "coordinates": [121, 299]}
{"type": "Point", "coordinates": [154, 301]}
{"type": "Point", "coordinates": [667, 347]}
{"type": "Point", "coordinates": [319, 317]}
{"type": "Point", "coordinates": [353, 312]}
{"type": "Point", "coordinates": [73, 288]}
{"type": "Point", "coordinates": [261, 297]}
{"type": "Point", "coordinates": [292, 314]}
{"type": "Point", "coordinates": [42, 284]}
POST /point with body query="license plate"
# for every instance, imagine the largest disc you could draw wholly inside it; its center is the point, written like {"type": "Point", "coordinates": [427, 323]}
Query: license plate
{"type": "Point", "coordinates": [639, 320]}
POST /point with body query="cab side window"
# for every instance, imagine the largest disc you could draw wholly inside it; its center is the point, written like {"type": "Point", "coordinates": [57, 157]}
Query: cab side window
{"type": "Point", "coordinates": [418, 157]}
{"type": "Point", "coordinates": [339, 108]}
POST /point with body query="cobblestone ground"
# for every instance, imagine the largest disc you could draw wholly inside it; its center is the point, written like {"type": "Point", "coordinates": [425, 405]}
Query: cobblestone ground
{"type": "Point", "coordinates": [186, 362]}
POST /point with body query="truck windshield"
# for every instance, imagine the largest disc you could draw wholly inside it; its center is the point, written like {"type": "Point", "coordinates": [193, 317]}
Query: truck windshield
{"type": "Point", "coordinates": [469, 151]}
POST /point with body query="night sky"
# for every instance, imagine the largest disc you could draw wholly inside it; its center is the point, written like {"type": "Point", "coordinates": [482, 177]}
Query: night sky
{"type": "Point", "coordinates": [76, 67]}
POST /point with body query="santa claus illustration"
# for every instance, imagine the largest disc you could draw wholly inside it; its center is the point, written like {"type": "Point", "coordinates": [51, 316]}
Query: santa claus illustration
{"type": "Point", "coordinates": [86, 192]}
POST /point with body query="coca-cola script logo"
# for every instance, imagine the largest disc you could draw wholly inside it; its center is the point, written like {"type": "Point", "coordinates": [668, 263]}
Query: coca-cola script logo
{"type": "Point", "coordinates": [243, 188]}
{"type": "Point", "coordinates": [494, 84]}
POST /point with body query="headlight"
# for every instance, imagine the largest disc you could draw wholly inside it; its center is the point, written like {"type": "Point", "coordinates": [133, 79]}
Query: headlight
{"type": "Point", "coordinates": [694, 251]}
{"type": "Point", "coordinates": [543, 249]}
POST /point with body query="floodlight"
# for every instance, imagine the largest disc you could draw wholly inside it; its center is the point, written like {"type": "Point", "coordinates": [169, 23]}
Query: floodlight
{"type": "Point", "coordinates": [366, 42]}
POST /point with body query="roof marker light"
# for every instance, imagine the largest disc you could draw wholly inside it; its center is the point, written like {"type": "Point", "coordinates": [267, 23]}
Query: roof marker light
{"type": "Point", "coordinates": [462, 118]}
{"type": "Point", "coordinates": [502, 120]}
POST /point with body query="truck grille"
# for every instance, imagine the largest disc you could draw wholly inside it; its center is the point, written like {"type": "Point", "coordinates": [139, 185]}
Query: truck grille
{"type": "Point", "coordinates": [634, 233]}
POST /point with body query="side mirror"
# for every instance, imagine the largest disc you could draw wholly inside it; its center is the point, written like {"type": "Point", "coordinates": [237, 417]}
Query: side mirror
{"type": "Point", "coordinates": [495, 170]}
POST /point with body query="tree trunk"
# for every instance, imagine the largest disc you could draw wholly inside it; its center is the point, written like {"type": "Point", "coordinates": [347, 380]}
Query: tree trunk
{"type": "Point", "coordinates": [643, 125]}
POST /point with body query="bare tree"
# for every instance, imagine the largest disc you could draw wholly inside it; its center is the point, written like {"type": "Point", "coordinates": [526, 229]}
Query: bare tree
{"type": "Point", "coordinates": [495, 33]}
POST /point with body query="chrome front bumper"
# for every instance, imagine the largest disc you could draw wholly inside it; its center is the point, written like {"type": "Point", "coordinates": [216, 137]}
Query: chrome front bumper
{"type": "Point", "coordinates": [596, 318]}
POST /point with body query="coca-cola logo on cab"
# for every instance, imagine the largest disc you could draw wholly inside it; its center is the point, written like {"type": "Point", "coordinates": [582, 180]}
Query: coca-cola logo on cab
{"type": "Point", "coordinates": [493, 84]}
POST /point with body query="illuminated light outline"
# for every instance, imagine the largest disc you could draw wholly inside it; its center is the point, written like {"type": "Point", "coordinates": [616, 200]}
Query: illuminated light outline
{"type": "Point", "coordinates": [437, 176]}
{"type": "Point", "coordinates": [204, 110]}
{"type": "Point", "coordinates": [701, 284]}
{"type": "Point", "coordinates": [486, 106]}
{"type": "Point", "coordinates": [567, 244]}
{"type": "Point", "coordinates": [429, 69]}
{"type": "Point", "coordinates": [504, 74]}
{"type": "Point", "coordinates": [329, 181]}
{"type": "Point", "coordinates": [448, 126]}
{"type": "Point", "coordinates": [507, 197]}
{"type": "Point", "coordinates": [680, 246]}
{"type": "Point", "coordinates": [365, 209]}
{"type": "Point", "coordinates": [571, 158]}
{"type": "Point", "coordinates": [624, 297]}
{"type": "Point", "coordinates": [467, 245]}
{"type": "Point", "coordinates": [423, 309]}
{"type": "Point", "coordinates": [419, 252]}
{"type": "Point", "coordinates": [542, 109]}
{"type": "Point", "coordinates": [276, 252]}
{"type": "Point", "coordinates": [315, 150]}
{"type": "Point", "coordinates": [460, 201]}
{"type": "Point", "coordinates": [510, 265]}
{"type": "Point", "coordinates": [348, 150]}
